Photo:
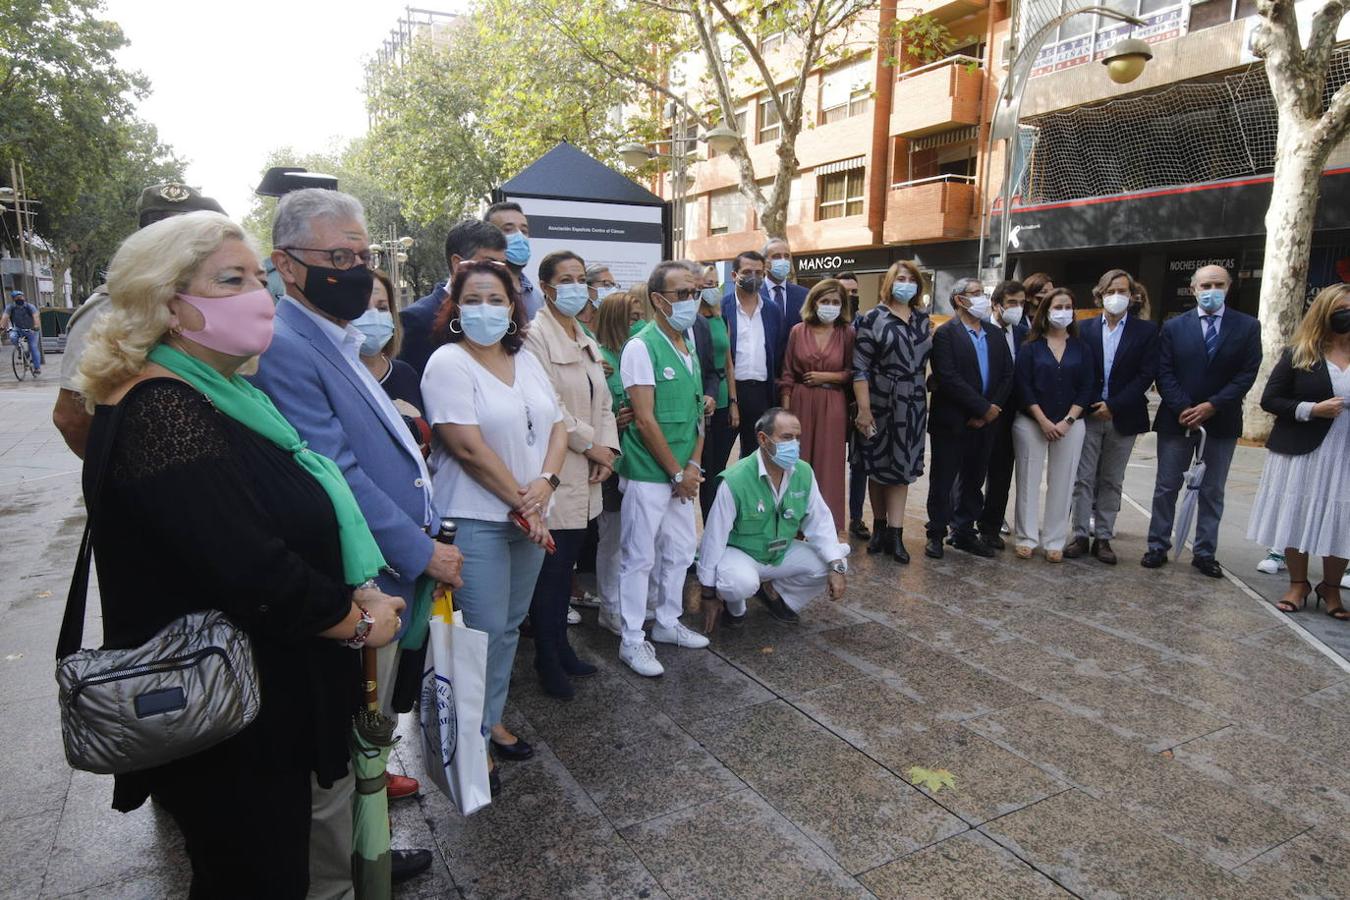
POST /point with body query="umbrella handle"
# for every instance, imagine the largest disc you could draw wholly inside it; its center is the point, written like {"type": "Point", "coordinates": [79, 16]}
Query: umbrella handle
{"type": "Point", "coordinates": [369, 686]}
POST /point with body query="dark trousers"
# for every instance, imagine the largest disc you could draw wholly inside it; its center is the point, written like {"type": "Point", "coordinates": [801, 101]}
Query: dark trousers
{"type": "Point", "coordinates": [999, 482]}
{"type": "Point", "coordinates": [716, 448]}
{"type": "Point", "coordinates": [754, 397]}
{"type": "Point", "coordinates": [958, 464]}
{"type": "Point", "coordinates": [857, 487]}
{"type": "Point", "coordinates": [553, 590]}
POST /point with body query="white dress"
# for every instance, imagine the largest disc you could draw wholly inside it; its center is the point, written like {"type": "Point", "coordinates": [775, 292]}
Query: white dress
{"type": "Point", "coordinates": [1304, 501]}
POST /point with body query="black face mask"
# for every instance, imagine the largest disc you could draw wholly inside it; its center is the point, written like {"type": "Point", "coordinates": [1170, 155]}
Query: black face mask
{"type": "Point", "coordinates": [1340, 321]}
{"type": "Point", "coordinates": [749, 282]}
{"type": "Point", "coordinates": [342, 293]}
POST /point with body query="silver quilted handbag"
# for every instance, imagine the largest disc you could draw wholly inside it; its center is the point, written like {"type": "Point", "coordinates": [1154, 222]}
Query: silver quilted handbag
{"type": "Point", "coordinates": [191, 686]}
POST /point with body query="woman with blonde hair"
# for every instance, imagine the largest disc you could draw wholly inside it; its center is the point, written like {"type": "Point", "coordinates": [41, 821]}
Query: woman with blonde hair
{"type": "Point", "coordinates": [817, 369]}
{"type": "Point", "coordinates": [1303, 503]}
{"type": "Point", "coordinates": [185, 456]}
{"type": "Point", "coordinates": [890, 357]}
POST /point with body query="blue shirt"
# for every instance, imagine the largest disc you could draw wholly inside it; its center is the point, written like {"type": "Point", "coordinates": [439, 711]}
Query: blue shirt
{"type": "Point", "coordinates": [1055, 385]}
{"type": "Point", "coordinates": [982, 354]}
{"type": "Point", "coordinates": [1110, 344]}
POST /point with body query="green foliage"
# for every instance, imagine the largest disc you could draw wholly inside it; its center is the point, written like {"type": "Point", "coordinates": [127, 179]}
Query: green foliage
{"type": "Point", "coordinates": [933, 780]}
{"type": "Point", "coordinates": [919, 40]}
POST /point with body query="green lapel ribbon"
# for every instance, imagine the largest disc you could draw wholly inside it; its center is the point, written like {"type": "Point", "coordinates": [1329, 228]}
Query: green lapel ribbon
{"type": "Point", "coordinates": [241, 401]}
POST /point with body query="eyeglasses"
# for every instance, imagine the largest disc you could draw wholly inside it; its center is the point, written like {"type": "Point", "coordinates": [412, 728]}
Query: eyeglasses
{"type": "Point", "coordinates": [685, 294]}
{"type": "Point", "coordinates": [341, 258]}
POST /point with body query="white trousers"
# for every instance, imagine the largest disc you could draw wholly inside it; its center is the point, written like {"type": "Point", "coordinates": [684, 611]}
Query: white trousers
{"type": "Point", "coordinates": [1032, 452]}
{"type": "Point", "coordinates": [657, 534]}
{"type": "Point", "coordinates": [798, 579]}
{"type": "Point", "coordinates": [607, 559]}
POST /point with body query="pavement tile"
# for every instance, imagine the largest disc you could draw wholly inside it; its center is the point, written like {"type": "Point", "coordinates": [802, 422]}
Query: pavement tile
{"type": "Point", "coordinates": [697, 685]}
{"type": "Point", "coordinates": [1206, 688]}
{"type": "Point", "coordinates": [789, 665]}
{"type": "Point", "coordinates": [1073, 640]}
{"type": "Point", "coordinates": [1093, 850]}
{"type": "Point", "coordinates": [1028, 666]}
{"type": "Point", "coordinates": [25, 849]}
{"type": "Point", "coordinates": [595, 864]}
{"type": "Point", "coordinates": [1312, 865]}
{"type": "Point", "coordinates": [856, 810]}
{"type": "Point", "coordinates": [736, 847]}
{"type": "Point", "coordinates": [1334, 699]}
{"type": "Point", "coordinates": [160, 883]}
{"type": "Point", "coordinates": [967, 865]}
{"type": "Point", "coordinates": [931, 623]}
{"type": "Point", "coordinates": [33, 733]}
{"type": "Point", "coordinates": [1135, 713]}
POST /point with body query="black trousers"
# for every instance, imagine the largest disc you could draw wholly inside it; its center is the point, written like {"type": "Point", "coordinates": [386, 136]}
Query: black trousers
{"type": "Point", "coordinates": [959, 463]}
{"type": "Point", "coordinates": [716, 448]}
{"type": "Point", "coordinates": [553, 590]}
{"type": "Point", "coordinates": [999, 482]}
{"type": "Point", "coordinates": [755, 398]}
{"type": "Point", "coordinates": [857, 486]}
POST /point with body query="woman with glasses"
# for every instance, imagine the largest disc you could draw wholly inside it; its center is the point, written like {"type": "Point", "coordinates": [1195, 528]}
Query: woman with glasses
{"type": "Point", "coordinates": [503, 443]}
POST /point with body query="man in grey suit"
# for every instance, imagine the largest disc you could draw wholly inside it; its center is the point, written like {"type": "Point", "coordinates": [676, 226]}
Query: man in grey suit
{"type": "Point", "coordinates": [315, 377]}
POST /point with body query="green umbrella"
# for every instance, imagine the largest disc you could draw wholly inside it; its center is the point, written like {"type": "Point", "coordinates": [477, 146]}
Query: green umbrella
{"type": "Point", "coordinates": [372, 739]}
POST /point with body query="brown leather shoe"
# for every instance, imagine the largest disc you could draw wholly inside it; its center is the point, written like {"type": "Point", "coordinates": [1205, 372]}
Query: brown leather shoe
{"type": "Point", "coordinates": [1077, 547]}
{"type": "Point", "coordinates": [1102, 550]}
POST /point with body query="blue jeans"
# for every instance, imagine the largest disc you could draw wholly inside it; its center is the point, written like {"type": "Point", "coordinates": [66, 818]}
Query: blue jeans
{"type": "Point", "coordinates": [500, 570]}
{"type": "Point", "coordinates": [1175, 452]}
{"type": "Point", "coordinates": [34, 338]}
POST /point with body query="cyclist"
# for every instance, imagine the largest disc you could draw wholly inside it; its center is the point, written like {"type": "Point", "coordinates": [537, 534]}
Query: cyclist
{"type": "Point", "coordinates": [21, 319]}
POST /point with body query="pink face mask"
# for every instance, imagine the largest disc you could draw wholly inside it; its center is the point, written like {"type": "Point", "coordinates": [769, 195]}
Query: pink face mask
{"type": "Point", "coordinates": [237, 325]}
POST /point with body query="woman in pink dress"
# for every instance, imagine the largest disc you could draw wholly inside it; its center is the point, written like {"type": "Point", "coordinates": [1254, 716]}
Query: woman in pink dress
{"type": "Point", "coordinates": [817, 369]}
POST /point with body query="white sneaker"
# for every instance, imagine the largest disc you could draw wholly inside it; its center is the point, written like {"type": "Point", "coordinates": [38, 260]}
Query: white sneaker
{"type": "Point", "coordinates": [641, 658]}
{"type": "Point", "coordinates": [610, 621]}
{"type": "Point", "coordinates": [1273, 564]}
{"type": "Point", "coordinates": [573, 617]}
{"type": "Point", "coordinates": [679, 636]}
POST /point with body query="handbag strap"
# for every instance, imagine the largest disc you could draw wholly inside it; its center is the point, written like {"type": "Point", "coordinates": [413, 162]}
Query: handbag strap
{"type": "Point", "coordinates": [72, 624]}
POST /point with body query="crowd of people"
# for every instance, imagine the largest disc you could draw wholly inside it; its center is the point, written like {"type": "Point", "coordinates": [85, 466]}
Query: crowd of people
{"type": "Point", "coordinates": [557, 419]}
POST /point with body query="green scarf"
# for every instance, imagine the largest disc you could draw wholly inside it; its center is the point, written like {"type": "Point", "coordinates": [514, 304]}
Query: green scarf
{"type": "Point", "coordinates": [241, 401]}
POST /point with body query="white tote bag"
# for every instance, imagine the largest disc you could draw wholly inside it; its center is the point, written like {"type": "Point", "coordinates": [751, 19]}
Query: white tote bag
{"type": "Point", "coordinates": [454, 746]}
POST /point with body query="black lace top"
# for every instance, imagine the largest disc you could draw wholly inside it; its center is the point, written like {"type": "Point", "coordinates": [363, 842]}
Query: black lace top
{"type": "Point", "coordinates": [199, 512]}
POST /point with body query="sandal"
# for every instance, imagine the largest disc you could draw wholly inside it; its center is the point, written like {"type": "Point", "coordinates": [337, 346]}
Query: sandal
{"type": "Point", "coordinates": [1339, 613]}
{"type": "Point", "coordinates": [1288, 606]}
{"type": "Point", "coordinates": [1024, 552]}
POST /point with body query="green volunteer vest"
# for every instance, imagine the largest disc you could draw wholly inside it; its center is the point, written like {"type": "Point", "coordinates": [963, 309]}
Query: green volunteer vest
{"type": "Point", "coordinates": [762, 530]}
{"type": "Point", "coordinates": [677, 403]}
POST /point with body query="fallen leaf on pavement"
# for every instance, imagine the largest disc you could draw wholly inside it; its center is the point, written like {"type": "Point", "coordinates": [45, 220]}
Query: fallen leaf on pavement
{"type": "Point", "coordinates": [766, 650]}
{"type": "Point", "coordinates": [1167, 754]}
{"type": "Point", "coordinates": [933, 779]}
{"type": "Point", "coordinates": [43, 595]}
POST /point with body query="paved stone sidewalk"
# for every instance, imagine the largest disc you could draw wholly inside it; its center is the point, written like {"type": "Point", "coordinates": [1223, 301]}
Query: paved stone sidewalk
{"type": "Point", "coordinates": [1110, 731]}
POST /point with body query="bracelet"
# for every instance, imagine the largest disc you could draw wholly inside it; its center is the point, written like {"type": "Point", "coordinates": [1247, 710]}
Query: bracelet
{"type": "Point", "coordinates": [364, 626]}
{"type": "Point", "coordinates": [733, 400]}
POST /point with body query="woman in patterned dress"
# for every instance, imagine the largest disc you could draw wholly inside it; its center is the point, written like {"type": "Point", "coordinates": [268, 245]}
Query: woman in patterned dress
{"type": "Point", "coordinates": [890, 354]}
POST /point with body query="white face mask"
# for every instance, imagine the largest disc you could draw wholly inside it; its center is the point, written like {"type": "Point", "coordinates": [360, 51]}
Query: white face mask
{"type": "Point", "coordinates": [1061, 318]}
{"type": "Point", "coordinates": [1115, 304]}
{"type": "Point", "coordinates": [980, 307]}
{"type": "Point", "coordinates": [827, 313]}
{"type": "Point", "coordinates": [1011, 315]}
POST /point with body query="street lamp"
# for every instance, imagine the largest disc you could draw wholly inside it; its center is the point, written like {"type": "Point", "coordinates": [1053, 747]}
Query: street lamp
{"type": "Point", "coordinates": [719, 139]}
{"type": "Point", "coordinates": [394, 250]}
{"type": "Point", "coordinates": [1124, 63]}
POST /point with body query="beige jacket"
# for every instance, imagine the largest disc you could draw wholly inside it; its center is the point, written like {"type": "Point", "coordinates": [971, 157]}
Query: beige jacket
{"type": "Point", "coordinates": [577, 375]}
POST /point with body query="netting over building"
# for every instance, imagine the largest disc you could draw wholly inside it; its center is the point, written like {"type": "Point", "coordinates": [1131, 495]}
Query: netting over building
{"type": "Point", "coordinates": [1184, 134]}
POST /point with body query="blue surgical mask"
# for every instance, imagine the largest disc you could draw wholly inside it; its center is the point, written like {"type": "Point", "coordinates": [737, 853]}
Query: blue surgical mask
{"type": "Point", "coordinates": [571, 298]}
{"type": "Point", "coordinates": [904, 291]}
{"type": "Point", "coordinates": [378, 327]}
{"type": "Point", "coordinates": [711, 296]}
{"type": "Point", "coordinates": [484, 324]}
{"type": "Point", "coordinates": [601, 293]}
{"type": "Point", "coordinates": [786, 453]}
{"type": "Point", "coordinates": [682, 314]}
{"type": "Point", "coordinates": [780, 269]}
{"type": "Point", "coordinates": [1211, 300]}
{"type": "Point", "coordinates": [517, 249]}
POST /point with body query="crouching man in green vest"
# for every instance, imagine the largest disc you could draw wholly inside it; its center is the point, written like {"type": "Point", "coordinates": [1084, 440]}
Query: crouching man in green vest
{"type": "Point", "coordinates": [659, 469]}
{"type": "Point", "coordinates": [749, 536]}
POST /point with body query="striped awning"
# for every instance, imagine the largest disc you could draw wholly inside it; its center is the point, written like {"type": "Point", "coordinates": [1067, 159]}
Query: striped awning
{"type": "Point", "coordinates": [843, 165]}
{"type": "Point", "coordinates": [946, 138]}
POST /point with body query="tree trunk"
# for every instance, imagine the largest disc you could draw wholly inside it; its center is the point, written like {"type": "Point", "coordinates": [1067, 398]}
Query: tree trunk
{"type": "Point", "coordinates": [1284, 275]}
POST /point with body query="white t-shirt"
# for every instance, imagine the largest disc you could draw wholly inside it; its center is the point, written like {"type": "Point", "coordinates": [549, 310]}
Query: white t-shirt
{"type": "Point", "coordinates": [635, 366]}
{"type": "Point", "coordinates": [515, 421]}
{"type": "Point", "coordinates": [751, 364]}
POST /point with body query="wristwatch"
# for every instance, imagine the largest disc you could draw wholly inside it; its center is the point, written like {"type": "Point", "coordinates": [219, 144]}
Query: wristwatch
{"type": "Point", "coordinates": [553, 480]}
{"type": "Point", "coordinates": [839, 567]}
{"type": "Point", "coordinates": [363, 627]}
{"type": "Point", "coordinates": [1070, 419]}
{"type": "Point", "coordinates": [677, 478]}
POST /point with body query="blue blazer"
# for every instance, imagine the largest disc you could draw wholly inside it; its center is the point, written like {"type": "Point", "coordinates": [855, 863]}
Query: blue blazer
{"type": "Point", "coordinates": [1187, 376]}
{"type": "Point", "coordinates": [416, 321]}
{"type": "Point", "coordinates": [795, 297]}
{"type": "Point", "coordinates": [775, 332]}
{"type": "Point", "coordinates": [1132, 371]}
{"type": "Point", "coordinates": [317, 391]}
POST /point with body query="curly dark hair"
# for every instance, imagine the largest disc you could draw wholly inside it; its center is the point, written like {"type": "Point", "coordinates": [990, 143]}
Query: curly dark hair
{"type": "Point", "coordinates": [441, 333]}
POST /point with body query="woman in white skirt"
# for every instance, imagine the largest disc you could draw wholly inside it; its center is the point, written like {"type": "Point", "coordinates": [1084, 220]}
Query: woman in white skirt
{"type": "Point", "coordinates": [1303, 504]}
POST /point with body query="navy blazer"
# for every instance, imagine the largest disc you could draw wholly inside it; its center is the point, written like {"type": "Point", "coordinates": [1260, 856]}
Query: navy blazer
{"type": "Point", "coordinates": [330, 406]}
{"type": "Point", "coordinates": [1132, 371]}
{"type": "Point", "coordinates": [416, 321]}
{"type": "Point", "coordinates": [1187, 376]}
{"type": "Point", "coordinates": [1286, 388]}
{"type": "Point", "coordinates": [958, 391]}
{"type": "Point", "coordinates": [1053, 385]}
{"type": "Point", "coordinates": [795, 296]}
{"type": "Point", "coordinates": [775, 333]}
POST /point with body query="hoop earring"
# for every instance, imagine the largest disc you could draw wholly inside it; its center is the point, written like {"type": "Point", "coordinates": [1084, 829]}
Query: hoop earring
{"type": "Point", "coordinates": [511, 327]}
{"type": "Point", "coordinates": [454, 327]}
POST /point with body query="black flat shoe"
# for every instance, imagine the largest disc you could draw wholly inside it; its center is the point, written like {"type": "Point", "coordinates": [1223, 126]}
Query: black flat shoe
{"type": "Point", "coordinates": [777, 608]}
{"type": "Point", "coordinates": [517, 752]}
{"type": "Point", "coordinates": [405, 864]}
{"type": "Point", "coordinates": [494, 782]}
{"type": "Point", "coordinates": [933, 549]}
{"type": "Point", "coordinates": [1208, 565]}
{"type": "Point", "coordinates": [1154, 559]}
{"type": "Point", "coordinates": [732, 621]}
{"type": "Point", "coordinates": [574, 665]}
{"type": "Point", "coordinates": [858, 528]}
{"type": "Point", "coordinates": [993, 541]}
{"type": "Point", "coordinates": [971, 544]}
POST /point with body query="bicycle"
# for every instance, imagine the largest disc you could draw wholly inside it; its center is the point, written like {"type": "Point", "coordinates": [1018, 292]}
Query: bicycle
{"type": "Point", "coordinates": [22, 357]}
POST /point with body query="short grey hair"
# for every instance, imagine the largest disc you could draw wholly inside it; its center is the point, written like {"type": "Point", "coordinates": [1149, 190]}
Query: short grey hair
{"type": "Point", "coordinates": [775, 240]}
{"type": "Point", "coordinates": [656, 282]}
{"type": "Point", "coordinates": [768, 423]}
{"type": "Point", "coordinates": [297, 210]}
{"type": "Point", "coordinates": [962, 286]}
{"type": "Point", "coordinates": [595, 270]}
{"type": "Point", "coordinates": [1227, 276]}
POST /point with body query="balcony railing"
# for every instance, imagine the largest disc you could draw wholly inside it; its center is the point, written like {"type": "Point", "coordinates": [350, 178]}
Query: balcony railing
{"type": "Point", "coordinates": [936, 97]}
{"type": "Point", "coordinates": [930, 209]}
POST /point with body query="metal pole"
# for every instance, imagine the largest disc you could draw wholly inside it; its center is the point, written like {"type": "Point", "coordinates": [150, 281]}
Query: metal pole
{"type": "Point", "coordinates": [32, 251]}
{"type": "Point", "coordinates": [18, 216]}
